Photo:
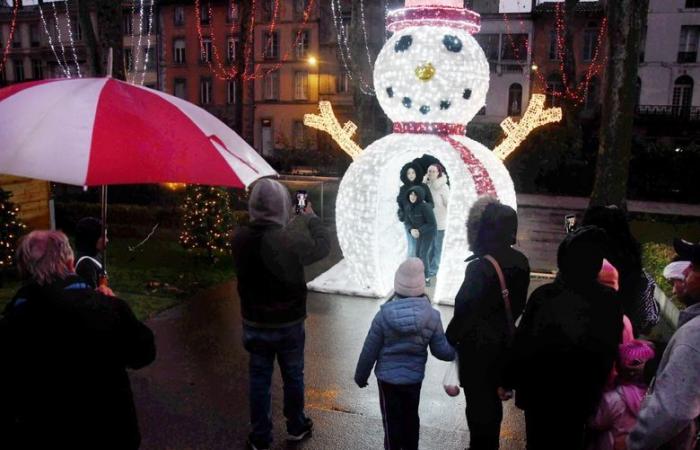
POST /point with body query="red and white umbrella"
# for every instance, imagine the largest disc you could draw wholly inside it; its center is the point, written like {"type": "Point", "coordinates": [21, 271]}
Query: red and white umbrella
{"type": "Point", "coordinates": [98, 131]}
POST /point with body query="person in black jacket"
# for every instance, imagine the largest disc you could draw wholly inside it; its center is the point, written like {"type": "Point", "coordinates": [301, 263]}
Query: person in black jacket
{"type": "Point", "coordinates": [412, 174]}
{"type": "Point", "coordinates": [479, 329]}
{"type": "Point", "coordinates": [65, 350]}
{"type": "Point", "coordinates": [89, 242]}
{"type": "Point", "coordinates": [420, 222]}
{"type": "Point", "coordinates": [269, 256]}
{"type": "Point", "coordinates": [565, 346]}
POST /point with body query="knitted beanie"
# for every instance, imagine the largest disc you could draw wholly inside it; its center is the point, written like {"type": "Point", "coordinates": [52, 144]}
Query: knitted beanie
{"type": "Point", "coordinates": [409, 280]}
{"type": "Point", "coordinates": [635, 353]}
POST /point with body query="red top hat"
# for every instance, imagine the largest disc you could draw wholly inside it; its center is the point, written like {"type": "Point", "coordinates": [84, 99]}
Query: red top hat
{"type": "Point", "coordinates": [448, 13]}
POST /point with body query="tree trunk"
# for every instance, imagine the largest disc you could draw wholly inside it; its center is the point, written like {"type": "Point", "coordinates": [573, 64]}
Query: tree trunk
{"type": "Point", "coordinates": [626, 19]}
{"type": "Point", "coordinates": [370, 118]}
{"type": "Point", "coordinates": [571, 107]}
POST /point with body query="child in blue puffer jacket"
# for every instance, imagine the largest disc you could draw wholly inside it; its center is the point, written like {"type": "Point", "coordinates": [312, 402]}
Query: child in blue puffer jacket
{"type": "Point", "coordinates": [397, 342]}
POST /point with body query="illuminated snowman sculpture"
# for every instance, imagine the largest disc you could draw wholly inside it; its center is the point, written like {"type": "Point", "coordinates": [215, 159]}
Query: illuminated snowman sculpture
{"type": "Point", "coordinates": [431, 78]}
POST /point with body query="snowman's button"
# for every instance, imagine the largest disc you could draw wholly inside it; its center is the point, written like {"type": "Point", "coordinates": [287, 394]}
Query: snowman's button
{"type": "Point", "coordinates": [406, 102]}
{"type": "Point", "coordinates": [390, 91]}
{"type": "Point", "coordinates": [445, 104]}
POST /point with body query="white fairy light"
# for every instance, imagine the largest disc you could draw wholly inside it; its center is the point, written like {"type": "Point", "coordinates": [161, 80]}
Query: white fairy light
{"type": "Point", "coordinates": [53, 49]}
{"type": "Point", "coordinates": [137, 50]}
{"type": "Point", "coordinates": [327, 122]}
{"type": "Point", "coordinates": [72, 43]}
{"type": "Point", "coordinates": [60, 39]}
{"type": "Point", "coordinates": [344, 48]}
{"type": "Point", "coordinates": [148, 41]}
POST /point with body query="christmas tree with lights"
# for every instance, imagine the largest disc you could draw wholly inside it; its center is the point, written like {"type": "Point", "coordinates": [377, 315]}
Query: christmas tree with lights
{"type": "Point", "coordinates": [208, 220]}
{"type": "Point", "coordinates": [11, 228]}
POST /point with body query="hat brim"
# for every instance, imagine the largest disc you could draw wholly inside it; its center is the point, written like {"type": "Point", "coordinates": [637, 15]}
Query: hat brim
{"type": "Point", "coordinates": [687, 250]}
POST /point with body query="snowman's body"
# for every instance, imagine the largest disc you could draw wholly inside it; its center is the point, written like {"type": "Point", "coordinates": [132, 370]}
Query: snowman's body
{"type": "Point", "coordinates": [433, 77]}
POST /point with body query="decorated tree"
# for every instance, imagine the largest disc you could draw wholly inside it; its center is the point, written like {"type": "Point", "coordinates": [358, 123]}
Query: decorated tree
{"type": "Point", "coordinates": [207, 220]}
{"type": "Point", "coordinates": [11, 228]}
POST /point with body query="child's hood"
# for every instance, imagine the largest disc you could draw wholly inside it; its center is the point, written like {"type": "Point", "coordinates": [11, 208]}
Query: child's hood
{"type": "Point", "coordinates": [407, 315]}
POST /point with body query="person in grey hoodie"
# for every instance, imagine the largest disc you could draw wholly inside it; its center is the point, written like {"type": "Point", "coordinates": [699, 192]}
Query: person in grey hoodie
{"type": "Point", "coordinates": [397, 342]}
{"type": "Point", "coordinates": [269, 258]}
{"type": "Point", "coordinates": [669, 414]}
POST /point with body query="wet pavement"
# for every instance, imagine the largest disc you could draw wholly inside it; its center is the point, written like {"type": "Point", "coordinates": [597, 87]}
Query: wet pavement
{"type": "Point", "coordinates": [195, 394]}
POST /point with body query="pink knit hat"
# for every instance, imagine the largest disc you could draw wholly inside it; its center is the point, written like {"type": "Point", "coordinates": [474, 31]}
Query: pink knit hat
{"type": "Point", "coordinates": [409, 280]}
{"type": "Point", "coordinates": [608, 275]}
{"type": "Point", "coordinates": [635, 354]}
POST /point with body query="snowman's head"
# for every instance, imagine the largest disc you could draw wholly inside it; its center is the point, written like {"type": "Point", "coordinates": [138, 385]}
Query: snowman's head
{"type": "Point", "coordinates": [435, 74]}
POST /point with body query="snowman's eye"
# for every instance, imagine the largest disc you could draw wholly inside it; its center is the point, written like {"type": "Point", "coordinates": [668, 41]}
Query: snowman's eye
{"type": "Point", "coordinates": [403, 43]}
{"type": "Point", "coordinates": [452, 43]}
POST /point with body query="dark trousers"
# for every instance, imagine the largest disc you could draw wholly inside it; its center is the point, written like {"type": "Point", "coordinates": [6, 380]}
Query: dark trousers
{"type": "Point", "coordinates": [424, 245]}
{"type": "Point", "coordinates": [484, 414]}
{"type": "Point", "coordinates": [287, 345]}
{"type": "Point", "coordinates": [399, 404]}
{"type": "Point", "coordinates": [553, 428]}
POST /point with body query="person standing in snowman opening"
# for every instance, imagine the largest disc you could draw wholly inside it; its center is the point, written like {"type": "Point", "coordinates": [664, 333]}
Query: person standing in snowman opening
{"type": "Point", "coordinates": [436, 180]}
{"type": "Point", "coordinates": [420, 221]}
{"type": "Point", "coordinates": [397, 343]}
{"type": "Point", "coordinates": [411, 175]}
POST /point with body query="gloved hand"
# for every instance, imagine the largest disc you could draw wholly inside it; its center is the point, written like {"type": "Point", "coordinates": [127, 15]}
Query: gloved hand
{"type": "Point", "coordinates": [415, 233]}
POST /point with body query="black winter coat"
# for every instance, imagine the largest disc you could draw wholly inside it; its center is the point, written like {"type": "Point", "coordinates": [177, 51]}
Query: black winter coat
{"type": "Point", "coordinates": [479, 329]}
{"type": "Point", "coordinates": [269, 260]}
{"type": "Point", "coordinates": [65, 350]}
{"type": "Point", "coordinates": [420, 215]}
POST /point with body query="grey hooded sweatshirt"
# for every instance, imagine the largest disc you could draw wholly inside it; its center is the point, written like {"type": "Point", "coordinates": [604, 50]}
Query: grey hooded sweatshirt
{"type": "Point", "coordinates": [269, 256]}
{"type": "Point", "coordinates": [669, 412]}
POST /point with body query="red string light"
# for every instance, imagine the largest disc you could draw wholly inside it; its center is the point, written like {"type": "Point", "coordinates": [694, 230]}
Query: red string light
{"type": "Point", "coordinates": [15, 10]}
{"type": "Point", "coordinates": [220, 72]}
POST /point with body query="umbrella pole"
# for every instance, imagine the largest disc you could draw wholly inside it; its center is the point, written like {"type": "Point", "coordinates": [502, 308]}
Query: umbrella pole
{"type": "Point", "coordinates": [103, 217]}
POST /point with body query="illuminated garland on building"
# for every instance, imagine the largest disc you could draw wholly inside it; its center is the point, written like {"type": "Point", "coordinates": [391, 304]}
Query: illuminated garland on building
{"type": "Point", "coordinates": [72, 43]}
{"type": "Point", "coordinates": [148, 41]}
{"type": "Point", "coordinates": [65, 70]}
{"type": "Point", "coordinates": [13, 23]}
{"type": "Point", "coordinates": [344, 49]}
{"type": "Point", "coordinates": [60, 39]}
{"type": "Point", "coordinates": [137, 50]}
{"type": "Point", "coordinates": [220, 72]}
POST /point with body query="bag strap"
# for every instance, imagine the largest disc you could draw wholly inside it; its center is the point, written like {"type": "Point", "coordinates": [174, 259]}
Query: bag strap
{"type": "Point", "coordinates": [94, 261]}
{"type": "Point", "coordinates": [504, 293]}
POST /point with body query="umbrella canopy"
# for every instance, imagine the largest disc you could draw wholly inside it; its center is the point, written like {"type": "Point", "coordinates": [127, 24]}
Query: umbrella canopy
{"type": "Point", "coordinates": [96, 131]}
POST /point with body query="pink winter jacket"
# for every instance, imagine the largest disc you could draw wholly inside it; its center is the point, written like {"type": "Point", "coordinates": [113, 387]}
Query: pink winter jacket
{"type": "Point", "coordinates": [616, 416]}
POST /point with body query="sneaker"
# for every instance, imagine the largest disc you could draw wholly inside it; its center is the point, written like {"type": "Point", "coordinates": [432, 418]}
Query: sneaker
{"type": "Point", "coordinates": [252, 444]}
{"type": "Point", "coordinates": [304, 433]}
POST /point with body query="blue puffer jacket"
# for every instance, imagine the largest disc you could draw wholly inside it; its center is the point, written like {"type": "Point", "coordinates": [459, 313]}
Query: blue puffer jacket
{"type": "Point", "coordinates": [398, 339]}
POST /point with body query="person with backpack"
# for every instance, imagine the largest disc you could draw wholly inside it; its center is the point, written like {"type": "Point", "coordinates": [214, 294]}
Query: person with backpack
{"type": "Point", "coordinates": [396, 346]}
{"type": "Point", "coordinates": [483, 323]}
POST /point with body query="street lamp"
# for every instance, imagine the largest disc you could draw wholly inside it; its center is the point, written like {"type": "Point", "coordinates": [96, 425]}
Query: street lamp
{"type": "Point", "coordinates": [313, 62]}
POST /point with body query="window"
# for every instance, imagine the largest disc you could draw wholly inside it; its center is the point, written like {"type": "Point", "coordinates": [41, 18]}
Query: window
{"type": "Point", "coordinates": [19, 70]}
{"type": "Point", "coordinates": [230, 92]}
{"type": "Point", "coordinates": [231, 52]}
{"type": "Point", "coordinates": [231, 11]}
{"type": "Point", "coordinates": [17, 38]}
{"type": "Point", "coordinates": [205, 51]}
{"type": "Point", "coordinates": [77, 30]}
{"type": "Point", "coordinates": [342, 83]}
{"type": "Point", "coordinates": [179, 16]}
{"type": "Point", "coordinates": [204, 13]}
{"type": "Point", "coordinates": [514, 47]}
{"type": "Point", "coordinates": [590, 36]}
{"type": "Point", "coordinates": [515, 99]}
{"type": "Point", "coordinates": [128, 59]}
{"type": "Point", "coordinates": [150, 55]}
{"type": "Point", "coordinates": [271, 42]}
{"type": "Point", "coordinates": [688, 44]}
{"type": "Point", "coordinates": [490, 44]}
{"type": "Point", "coordinates": [179, 51]}
{"type": "Point", "coordinates": [555, 88]}
{"type": "Point", "coordinates": [272, 86]}
{"type": "Point", "coordinates": [302, 47]}
{"type": "Point", "coordinates": [34, 35]}
{"type": "Point", "coordinates": [298, 132]}
{"type": "Point", "coordinates": [682, 95]}
{"type": "Point", "coordinates": [128, 24]}
{"type": "Point", "coordinates": [592, 94]}
{"type": "Point", "coordinates": [180, 89]}
{"type": "Point", "coordinates": [205, 91]}
{"type": "Point", "coordinates": [692, 3]}
{"type": "Point", "coordinates": [301, 85]}
{"type": "Point", "coordinates": [37, 69]}
{"type": "Point", "coordinates": [553, 47]}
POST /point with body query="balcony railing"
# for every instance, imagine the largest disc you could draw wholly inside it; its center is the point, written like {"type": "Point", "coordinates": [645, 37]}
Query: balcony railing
{"type": "Point", "coordinates": [689, 113]}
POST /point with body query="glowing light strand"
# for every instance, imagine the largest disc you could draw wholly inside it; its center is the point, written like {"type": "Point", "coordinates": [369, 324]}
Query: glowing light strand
{"type": "Point", "coordinates": [137, 51]}
{"type": "Point", "coordinates": [344, 49]}
{"type": "Point", "coordinates": [13, 24]}
{"type": "Point", "coordinates": [72, 43]}
{"type": "Point", "coordinates": [148, 41]}
{"type": "Point", "coordinates": [60, 39]}
{"type": "Point", "coordinates": [222, 73]}
{"type": "Point", "coordinates": [53, 48]}
{"type": "Point", "coordinates": [370, 66]}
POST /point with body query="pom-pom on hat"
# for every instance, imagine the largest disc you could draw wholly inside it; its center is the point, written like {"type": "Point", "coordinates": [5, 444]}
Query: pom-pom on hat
{"type": "Point", "coordinates": [635, 354]}
{"type": "Point", "coordinates": [409, 280]}
{"type": "Point", "coordinates": [446, 13]}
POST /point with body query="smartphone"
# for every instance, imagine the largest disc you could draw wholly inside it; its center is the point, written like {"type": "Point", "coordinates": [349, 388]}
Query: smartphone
{"type": "Point", "coordinates": [301, 201]}
{"type": "Point", "coordinates": [570, 222]}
